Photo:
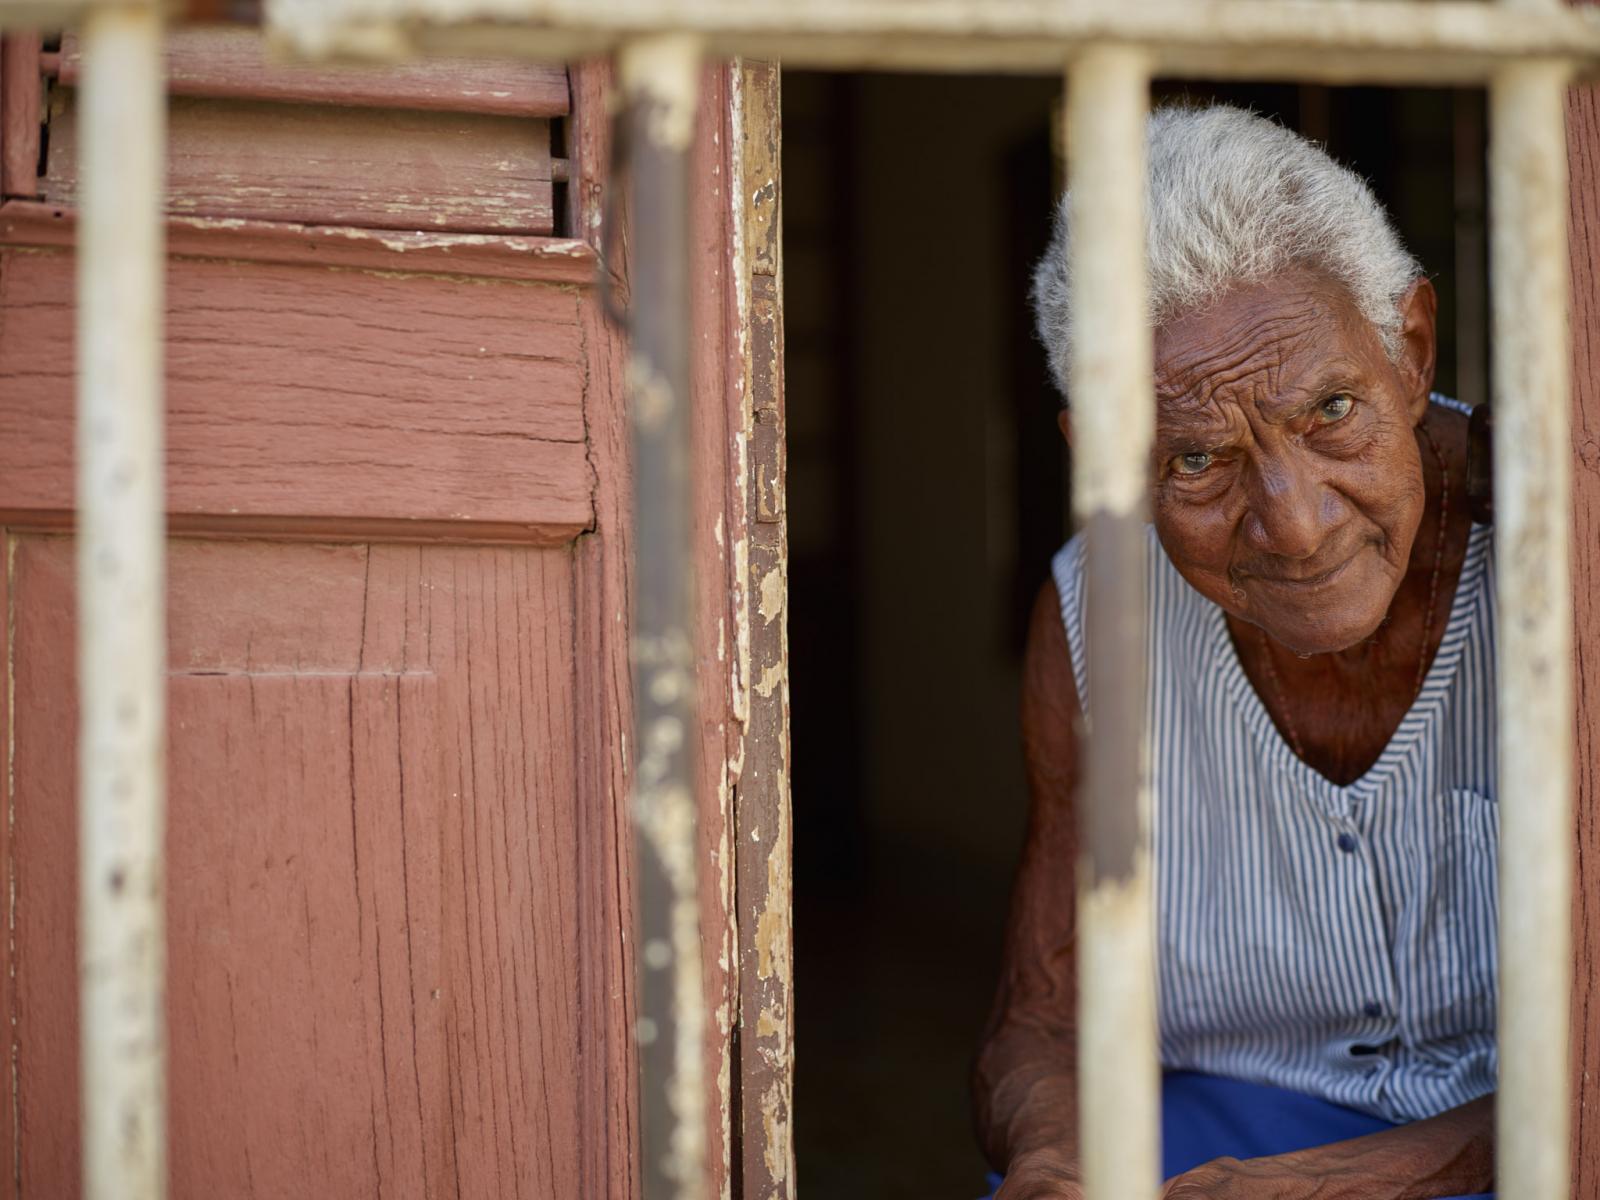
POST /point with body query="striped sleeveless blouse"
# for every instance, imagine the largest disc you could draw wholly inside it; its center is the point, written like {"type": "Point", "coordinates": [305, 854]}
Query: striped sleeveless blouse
{"type": "Point", "coordinates": [1337, 941]}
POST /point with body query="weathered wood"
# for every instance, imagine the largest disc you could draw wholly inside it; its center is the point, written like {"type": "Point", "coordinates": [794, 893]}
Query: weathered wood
{"type": "Point", "coordinates": [1583, 146]}
{"type": "Point", "coordinates": [484, 255]}
{"type": "Point", "coordinates": [717, 536]}
{"type": "Point", "coordinates": [297, 393]}
{"type": "Point", "coordinates": [604, 694]}
{"type": "Point", "coordinates": [8, 996]}
{"type": "Point", "coordinates": [376, 936]}
{"type": "Point", "coordinates": [233, 63]}
{"type": "Point", "coordinates": [20, 100]}
{"type": "Point", "coordinates": [765, 901]}
{"type": "Point", "coordinates": [323, 165]}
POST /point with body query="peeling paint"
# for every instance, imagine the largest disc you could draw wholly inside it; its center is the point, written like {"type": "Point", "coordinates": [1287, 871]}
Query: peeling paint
{"type": "Point", "coordinates": [664, 68]}
{"type": "Point", "coordinates": [772, 926]}
{"type": "Point", "coordinates": [772, 587]}
{"type": "Point", "coordinates": [770, 678]}
{"type": "Point", "coordinates": [775, 1123]}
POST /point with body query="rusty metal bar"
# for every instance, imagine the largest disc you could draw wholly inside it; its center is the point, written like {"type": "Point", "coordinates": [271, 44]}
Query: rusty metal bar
{"type": "Point", "coordinates": [1533, 509]}
{"type": "Point", "coordinates": [660, 82]}
{"type": "Point", "coordinates": [1113, 420]}
{"type": "Point", "coordinates": [121, 607]}
{"type": "Point", "coordinates": [1333, 41]}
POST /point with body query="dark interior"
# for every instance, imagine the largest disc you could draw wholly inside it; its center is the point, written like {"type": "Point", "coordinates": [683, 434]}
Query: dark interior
{"type": "Point", "coordinates": [927, 492]}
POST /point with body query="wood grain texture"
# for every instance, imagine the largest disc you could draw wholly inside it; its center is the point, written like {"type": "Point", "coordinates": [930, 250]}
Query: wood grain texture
{"type": "Point", "coordinates": [8, 1011]}
{"type": "Point", "coordinates": [298, 393]}
{"type": "Point", "coordinates": [604, 696]}
{"type": "Point", "coordinates": [1583, 143]}
{"type": "Point", "coordinates": [375, 934]}
{"type": "Point", "coordinates": [233, 64]}
{"type": "Point", "coordinates": [715, 433]}
{"type": "Point", "coordinates": [325, 165]}
{"type": "Point", "coordinates": [765, 898]}
{"type": "Point", "coordinates": [20, 100]}
{"type": "Point", "coordinates": [530, 258]}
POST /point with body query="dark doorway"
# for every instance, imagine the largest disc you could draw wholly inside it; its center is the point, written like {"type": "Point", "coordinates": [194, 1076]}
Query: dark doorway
{"type": "Point", "coordinates": [927, 492]}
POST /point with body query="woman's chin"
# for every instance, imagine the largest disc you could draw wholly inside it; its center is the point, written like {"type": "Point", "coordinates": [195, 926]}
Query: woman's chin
{"type": "Point", "coordinates": [1309, 638]}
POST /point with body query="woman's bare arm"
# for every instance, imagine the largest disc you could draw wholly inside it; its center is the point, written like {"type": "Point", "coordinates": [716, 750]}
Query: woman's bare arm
{"type": "Point", "coordinates": [1025, 1079]}
{"type": "Point", "coordinates": [1451, 1154]}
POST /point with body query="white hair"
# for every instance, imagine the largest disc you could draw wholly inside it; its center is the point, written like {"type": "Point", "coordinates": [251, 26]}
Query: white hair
{"type": "Point", "coordinates": [1232, 199]}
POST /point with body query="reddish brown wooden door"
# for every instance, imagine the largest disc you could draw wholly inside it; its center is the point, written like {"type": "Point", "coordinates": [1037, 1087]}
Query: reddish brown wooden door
{"type": "Point", "coordinates": [397, 959]}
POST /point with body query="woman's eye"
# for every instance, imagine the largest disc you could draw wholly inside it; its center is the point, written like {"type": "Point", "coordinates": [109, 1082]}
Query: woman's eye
{"type": "Point", "coordinates": [1192, 463]}
{"type": "Point", "coordinates": [1335, 408]}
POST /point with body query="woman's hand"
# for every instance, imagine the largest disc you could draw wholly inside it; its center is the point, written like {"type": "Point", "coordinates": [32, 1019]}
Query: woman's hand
{"type": "Point", "coordinates": [1041, 1175]}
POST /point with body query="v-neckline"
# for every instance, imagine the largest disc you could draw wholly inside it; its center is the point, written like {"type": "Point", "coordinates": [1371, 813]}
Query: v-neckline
{"type": "Point", "coordinates": [1418, 717]}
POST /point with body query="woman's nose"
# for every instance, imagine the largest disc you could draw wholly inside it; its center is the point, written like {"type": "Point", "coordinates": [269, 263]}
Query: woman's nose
{"type": "Point", "coordinates": [1287, 517]}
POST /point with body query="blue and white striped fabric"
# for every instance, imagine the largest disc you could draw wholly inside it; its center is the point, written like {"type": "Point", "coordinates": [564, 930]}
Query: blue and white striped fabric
{"type": "Point", "coordinates": [1336, 941]}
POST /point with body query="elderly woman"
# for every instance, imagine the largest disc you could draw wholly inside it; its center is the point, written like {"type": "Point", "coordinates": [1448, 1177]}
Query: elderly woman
{"type": "Point", "coordinates": [1321, 633]}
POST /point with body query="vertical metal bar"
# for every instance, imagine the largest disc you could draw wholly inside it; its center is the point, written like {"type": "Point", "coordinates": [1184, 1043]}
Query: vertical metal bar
{"type": "Point", "coordinates": [660, 82]}
{"type": "Point", "coordinates": [1533, 505]}
{"type": "Point", "coordinates": [1113, 416]}
{"type": "Point", "coordinates": [121, 602]}
{"type": "Point", "coordinates": [121, 606]}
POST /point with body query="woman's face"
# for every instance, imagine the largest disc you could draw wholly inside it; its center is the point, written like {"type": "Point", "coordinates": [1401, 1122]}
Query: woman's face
{"type": "Point", "coordinates": [1288, 487]}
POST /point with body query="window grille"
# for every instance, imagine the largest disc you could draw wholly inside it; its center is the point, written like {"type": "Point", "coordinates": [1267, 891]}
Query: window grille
{"type": "Point", "coordinates": [1525, 51]}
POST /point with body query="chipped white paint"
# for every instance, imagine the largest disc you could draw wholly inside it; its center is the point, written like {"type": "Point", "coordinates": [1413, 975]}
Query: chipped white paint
{"type": "Point", "coordinates": [651, 394]}
{"type": "Point", "coordinates": [1533, 506]}
{"type": "Point", "coordinates": [738, 668]}
{"type": "Point", "coordinates": [772, 921]}
{"type": "Point", "coordinates": [1328, 40]}
{"type": "Point", "coordinates": [121, 606]}
{"type": "Point", "coordinates": [664, 67]}
{"type": "Point", "coordinates": [741, 557]}
{"type": "Point", "coordinates": [772, 591]}
{"type": "Point", "coordinates": [1113, 422]}
{"type": "Point", "coordinates": [770, 678]}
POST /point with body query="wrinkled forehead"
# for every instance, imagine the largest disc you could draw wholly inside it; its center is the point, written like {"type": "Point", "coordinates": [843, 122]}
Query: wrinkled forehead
{"type": "Point", "coordinates": [1264, 345]}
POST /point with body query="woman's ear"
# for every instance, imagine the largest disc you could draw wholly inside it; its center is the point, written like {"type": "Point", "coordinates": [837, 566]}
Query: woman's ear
{"type": "Point", "coordinates": [1419, 346]}
{"type": "Point", "coordinates": [1064, 421]}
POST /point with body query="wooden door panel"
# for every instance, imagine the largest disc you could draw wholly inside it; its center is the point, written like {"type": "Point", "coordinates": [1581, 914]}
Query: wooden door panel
{"type": "Point", "coordinates": [301, 397]}
{"type": "Point", "coordinates": [374, 931]}
{"type": "Point", "coordinates": [339, 165]}
{"type": "Point", "coordinates": [223, 61]}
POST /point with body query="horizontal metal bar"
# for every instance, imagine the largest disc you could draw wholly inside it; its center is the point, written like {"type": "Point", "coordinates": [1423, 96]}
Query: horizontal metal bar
{"type": "Point", "coordinates": [55, 14]}
{"type": "Point", "coordinates": [1455, 41]}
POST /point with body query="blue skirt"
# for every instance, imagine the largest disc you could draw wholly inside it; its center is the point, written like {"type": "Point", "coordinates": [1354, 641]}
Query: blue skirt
{"type": "Point", "coordinates": [1205, 1117]}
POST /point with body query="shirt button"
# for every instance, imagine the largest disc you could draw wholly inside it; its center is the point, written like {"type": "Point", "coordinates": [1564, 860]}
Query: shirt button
{"type": "Point", "coordinates": [1347, 843]}
{"type": "Point", "coordinates": [1372, 1008]}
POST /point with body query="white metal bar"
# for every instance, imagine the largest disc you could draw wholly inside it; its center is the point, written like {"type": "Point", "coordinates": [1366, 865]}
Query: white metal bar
{"type": "Point", "coordinates": [1327, 40]}
{"type": "Point", "coordinates": [1533, 508]}
{"type": "Point", "coordinates": [121, 607]}
{"type": "Point", "coordinates": [1113, 421]}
